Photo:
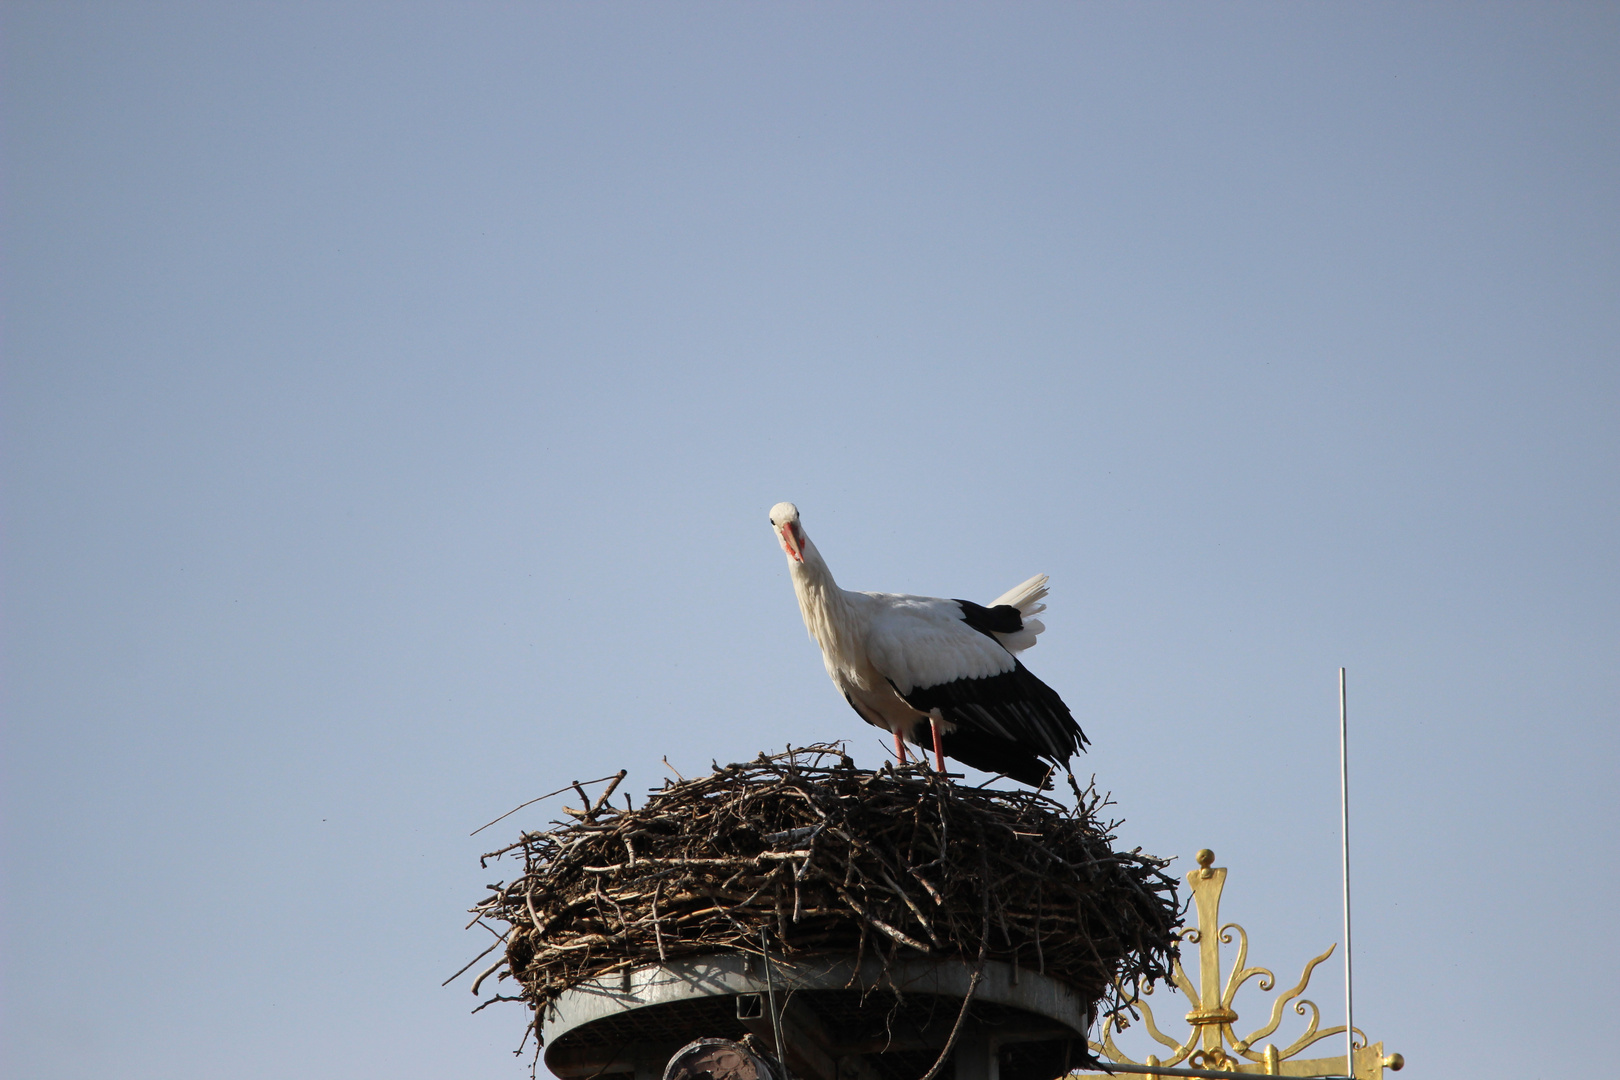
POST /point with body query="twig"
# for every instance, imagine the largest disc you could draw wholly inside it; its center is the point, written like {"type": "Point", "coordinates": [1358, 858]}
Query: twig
{"type": "Point", "coordinates": [487, 973]}
{"type": "Point", "coordinates": [531, 802]}
{"type": "Point", "coordinates": [475, 959]}
{"type": "Point", "coordinates": [498, 997]}
{"type": "Point", "coordinates": [601, 800]}
{"type": "Point", "coordinates": [956, 1028]}
{"type": "Point", "coordinates": [658, 930]}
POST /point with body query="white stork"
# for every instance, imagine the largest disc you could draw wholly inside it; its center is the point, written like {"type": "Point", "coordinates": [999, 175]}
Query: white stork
{"type": "Point", "coordinates": [904, 661]}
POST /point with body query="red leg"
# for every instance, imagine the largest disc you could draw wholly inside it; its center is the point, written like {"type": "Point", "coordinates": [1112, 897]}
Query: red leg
{"type": "Point", "coordinates": [899, 747]}
{"type": "Point", "coordinates": [939, 751]}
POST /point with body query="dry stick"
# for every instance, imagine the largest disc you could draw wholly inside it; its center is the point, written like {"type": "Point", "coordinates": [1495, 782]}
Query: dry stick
{"type": "Point", "coordinates": [956, 1028]}
{"type": "Point", "coordinates": [477, 958]}
{"type": "Point", "coordinates": [487, 973]}
{"type": "Point", "coordinates": [528, 902]}
{"type": "Point", "coordinates": [534, 1062]}
{"type": "Point", "coordinates": [781, 916]}
{"type": "Point", "coordinates": [531, 802]}
{"type": "Point", "coordinates": [658, 932]}
{"type": "Point", "coordinates": [526, 1031]}
{"type": "Point", "coordinates": [603, 798]}
{"type": "Point", "coordinates": [498, 997]}
{"type": "Point", "coordinates": [498, 852]}
{"type": "Point", "coordinates": [912, 904]}
{"type": "Point", "coordinates": [933, 893]}
{"type": "Point", "coordinates": [879, 924]}
{"type": "Point", "coordinates": [602, 898]}
{"type": "Point", "coordinates": [1040, 957]}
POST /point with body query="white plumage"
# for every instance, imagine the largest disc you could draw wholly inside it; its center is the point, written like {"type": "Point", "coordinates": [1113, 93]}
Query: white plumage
{"type": "Point", "coordinates": [1027, 598]}
{"type": "Point", "coordinates": [913, 663]}
{"type": "Point", "coordinates": [921, 641]}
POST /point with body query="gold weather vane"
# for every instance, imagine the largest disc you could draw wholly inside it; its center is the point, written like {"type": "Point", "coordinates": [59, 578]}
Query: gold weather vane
{"type": "Point", "coordinates": [1213, 1042]}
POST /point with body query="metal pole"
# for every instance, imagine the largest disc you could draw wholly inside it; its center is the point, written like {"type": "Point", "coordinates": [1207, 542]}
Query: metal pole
{"type": "Point", "coordinates": [1344, 808]}
{"type": "Point", "coordinates": [770, 994]}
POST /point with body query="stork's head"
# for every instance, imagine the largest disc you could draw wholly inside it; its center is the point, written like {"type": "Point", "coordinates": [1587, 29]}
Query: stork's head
{"type": "Point", "coordinates": [785, 520]}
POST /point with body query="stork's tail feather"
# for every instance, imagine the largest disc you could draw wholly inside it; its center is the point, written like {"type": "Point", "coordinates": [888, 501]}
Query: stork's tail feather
{"type": "Point", "coordinates": [1027, 599]}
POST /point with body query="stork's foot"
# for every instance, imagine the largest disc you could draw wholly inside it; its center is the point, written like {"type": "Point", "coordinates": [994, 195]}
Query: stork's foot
{"type": "Point", "coordinates": [939, 750]}
{"type": "Point", "coordinates": [900, 747]}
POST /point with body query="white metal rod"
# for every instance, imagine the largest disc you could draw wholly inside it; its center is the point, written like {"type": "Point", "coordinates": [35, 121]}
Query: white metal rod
{"type": "Point", "coordinates": [1344, 807]}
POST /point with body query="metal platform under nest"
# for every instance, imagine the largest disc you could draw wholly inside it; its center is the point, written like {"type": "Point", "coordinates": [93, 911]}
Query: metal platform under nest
{"type": "Point", "coordinates": [836, 1023]}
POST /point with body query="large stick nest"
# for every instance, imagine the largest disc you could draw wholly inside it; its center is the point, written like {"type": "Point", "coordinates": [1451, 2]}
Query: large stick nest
{"type": "Point", "coordinates": [828, 858]}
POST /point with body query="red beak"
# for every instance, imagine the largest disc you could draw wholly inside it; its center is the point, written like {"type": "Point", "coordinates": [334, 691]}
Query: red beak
{"type": "Point", "coordinates": [791, 543]}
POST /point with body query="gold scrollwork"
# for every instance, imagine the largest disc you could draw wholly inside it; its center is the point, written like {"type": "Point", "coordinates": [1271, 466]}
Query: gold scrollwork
{"type": "Point", "coordinates": [1212, 1017]}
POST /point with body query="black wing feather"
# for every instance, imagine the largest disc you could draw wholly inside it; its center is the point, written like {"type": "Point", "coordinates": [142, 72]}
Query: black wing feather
{"type": "Point", "coordinates": [1001, 619]}
{"type": "Point", "coordinates": [1008, 723]}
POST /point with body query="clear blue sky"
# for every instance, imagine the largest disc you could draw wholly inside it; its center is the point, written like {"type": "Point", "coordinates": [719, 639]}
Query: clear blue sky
{"type": "Point", "coordinates": [393, 396]}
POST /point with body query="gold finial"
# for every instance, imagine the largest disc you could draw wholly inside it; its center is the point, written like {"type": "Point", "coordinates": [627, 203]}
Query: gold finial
{"type": "Point", "coordinates": [1213, 1042]}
